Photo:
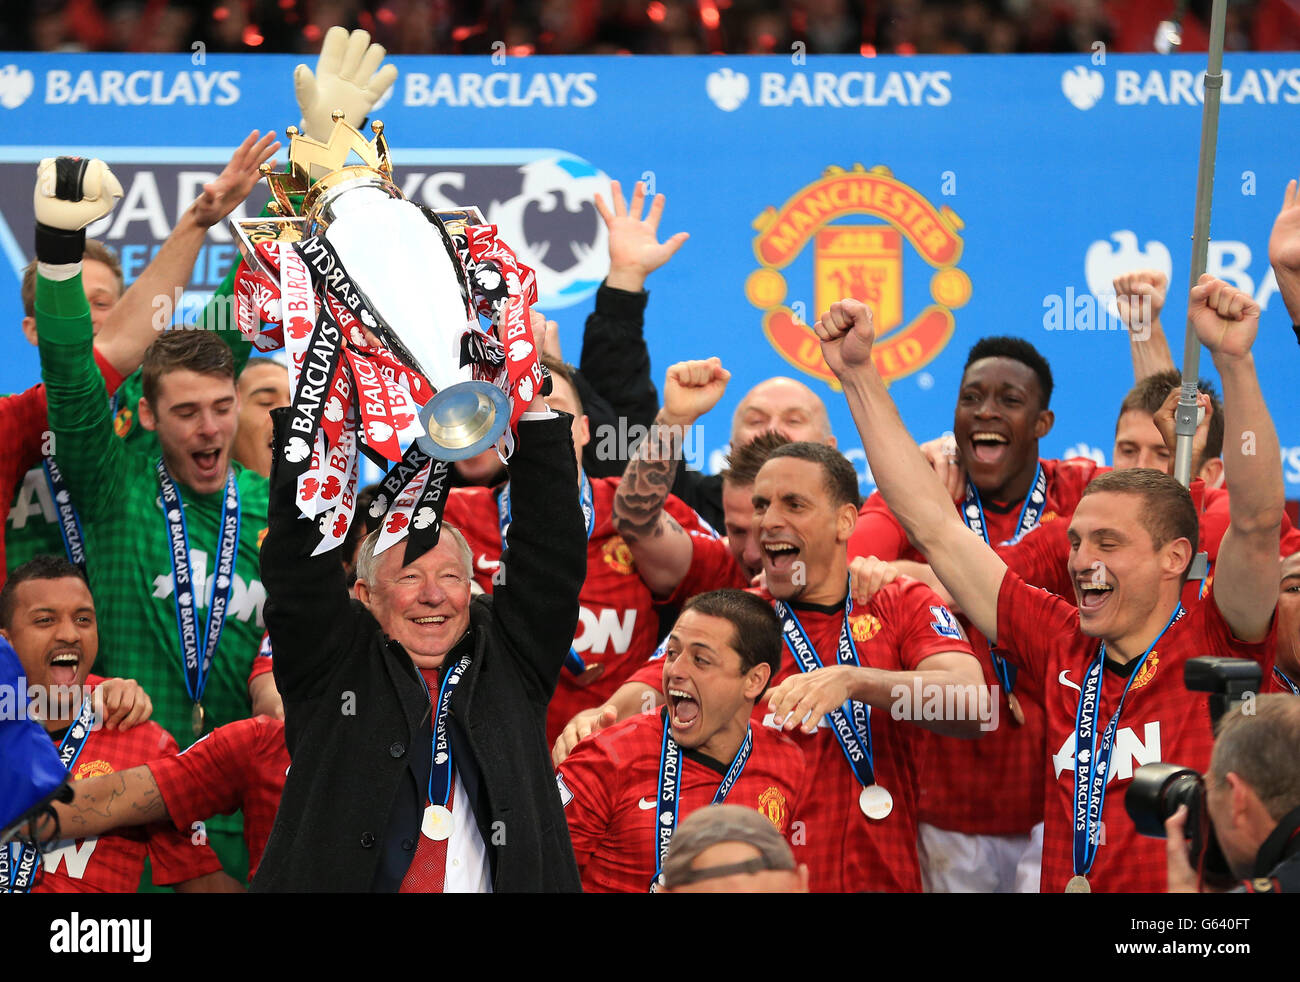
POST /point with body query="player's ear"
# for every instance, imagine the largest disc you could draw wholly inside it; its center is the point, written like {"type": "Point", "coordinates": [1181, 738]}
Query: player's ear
{"type": "Point", "coordinates": [1178, 555]}
{"type": "Point", "coordinates": [1043, 425]}
{"type": "Point", "coordinates": [362, 589]}
{"type": "Point", "coordinates": [584, 431]}
{"type": "Point", "coordinates": [845, 521]}
{"type": "Point", "coordinates": [756, 680]}
{"type": "Point", "coordinates": [145, 414]}
{"type": "Point", "coordinates": [29, 330]}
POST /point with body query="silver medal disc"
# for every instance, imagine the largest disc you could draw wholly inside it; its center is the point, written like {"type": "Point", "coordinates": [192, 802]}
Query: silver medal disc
{"type": "Point", "coordinates": [876, 802]}
{"type": "Point", "coordinates": [437, 823]}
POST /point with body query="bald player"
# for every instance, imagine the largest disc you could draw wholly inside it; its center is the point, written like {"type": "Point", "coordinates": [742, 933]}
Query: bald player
{"type": "Point", "coordinates": [781, 405]}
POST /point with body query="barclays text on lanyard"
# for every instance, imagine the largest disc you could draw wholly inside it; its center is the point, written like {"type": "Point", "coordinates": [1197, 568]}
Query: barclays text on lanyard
{"type": "Point", "coordinates": [74, 540]}
{"type": "Point", "coordinates": [223, 577]}
{"type": "Point", "coordinates": [19, 861]}
{"type": "Point", "coordinates": [851, 723]}
{"type": "Point", "coordinates": [437, 816]}
{"type": "Point", "coordinates": [670, 785]}
{"type": "Point", "coordinates": [972, 512]}
{"type": "Point", "coordinates": [1092, 759]}
{"type": "Point", "coordinates": [572, 661]}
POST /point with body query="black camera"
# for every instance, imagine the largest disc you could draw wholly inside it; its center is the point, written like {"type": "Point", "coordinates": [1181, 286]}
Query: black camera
{"type": "Point", "coordinates": [1158, 789]}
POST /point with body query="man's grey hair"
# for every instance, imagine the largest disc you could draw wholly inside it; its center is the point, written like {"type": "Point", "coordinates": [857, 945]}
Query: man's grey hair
{"type": "Point", "coordinates": [1261, 749]}
{"type": "Point", "coordinates": [366, 562]}
{"type": "Point", "coordinates": [715, 824]}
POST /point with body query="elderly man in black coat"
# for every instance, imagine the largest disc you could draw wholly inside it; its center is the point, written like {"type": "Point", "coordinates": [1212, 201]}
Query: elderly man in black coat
{"type": "Point", "coordinates": [385, 793]}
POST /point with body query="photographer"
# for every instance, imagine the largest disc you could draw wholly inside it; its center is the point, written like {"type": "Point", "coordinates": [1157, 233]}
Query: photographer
{"type": "Point", "coordinates": [1252, 794]}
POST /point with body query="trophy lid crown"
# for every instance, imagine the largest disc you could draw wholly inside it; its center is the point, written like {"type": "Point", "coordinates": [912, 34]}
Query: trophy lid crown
{"type": "Point", "coordinates": [311, 160]}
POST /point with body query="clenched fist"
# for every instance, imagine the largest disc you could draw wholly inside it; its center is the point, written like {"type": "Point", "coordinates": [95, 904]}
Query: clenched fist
{"type": "Point", "coordinates": [1226, 319]}
{"type": "Point", "coordinates": [72, 192]}
{"type": "Point", "coordinates": [1139, 297]}
{"type": "Point", "coordinates": [691, 389]}
{"type": "Point", "coordinates": [847, 334]}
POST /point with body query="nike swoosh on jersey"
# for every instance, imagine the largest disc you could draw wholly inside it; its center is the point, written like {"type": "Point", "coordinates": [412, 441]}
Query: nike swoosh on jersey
{"type": "Point", "coordinates": [645, 804]}
{"type": "Point", "coordinates": [487, 564]}
{"type": "Point", "coordinates": [1064, 679]}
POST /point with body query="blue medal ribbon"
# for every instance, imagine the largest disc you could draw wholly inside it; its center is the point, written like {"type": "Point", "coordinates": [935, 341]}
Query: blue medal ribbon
{"type": "Point", "coordinates": [572, 661]}
{"type": "Point", "coordinates": [851, 723]}
{"type": "Point", "coordinates": [670, 782]}
{"type": "Point", "coordinates": [18, 862]}
{"type": "Point", "coordinates": [223, 577]}
{"type": "Point", "coordinates": [440, 773]}
{"type": "Point", "coordinates": [74, 540]}
{"type": "Point", "coordinates": [972, 513]}
{"type": "Point", "coordinates": [1091, 758]}
{"type": "Point", "coordinates": [1281, 677]}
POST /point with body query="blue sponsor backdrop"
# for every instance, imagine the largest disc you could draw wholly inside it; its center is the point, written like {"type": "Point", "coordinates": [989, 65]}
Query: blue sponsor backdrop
{"type": "Point", "coordinates": [1059, 172]}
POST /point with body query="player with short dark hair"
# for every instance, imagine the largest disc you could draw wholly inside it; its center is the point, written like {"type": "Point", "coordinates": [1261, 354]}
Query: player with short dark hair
{"type": "Point", "coordinates": [625, 790]}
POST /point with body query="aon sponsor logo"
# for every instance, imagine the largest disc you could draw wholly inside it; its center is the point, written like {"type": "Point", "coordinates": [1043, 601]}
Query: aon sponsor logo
{"type": "Point", "coordinates": [1131, 752]}
{"type": "Point", "coordinates": [604, 631]}
{"type": "Point", "coordinates": [246, 598]}
{"type": "Point", "coordinates": [74, 857]}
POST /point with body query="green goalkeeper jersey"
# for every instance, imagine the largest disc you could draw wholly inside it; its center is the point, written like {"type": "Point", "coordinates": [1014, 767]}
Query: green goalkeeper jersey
{"type": "Point", "coordinates": [32, 528]}
{"type": "Point", "coordinates": [115, 489]}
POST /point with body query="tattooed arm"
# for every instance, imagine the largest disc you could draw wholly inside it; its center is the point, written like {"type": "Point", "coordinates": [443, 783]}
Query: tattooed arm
{"type": "Point", "coordinates": [660, 546]}
{"type": "Point", "coordinates": [130, 797]}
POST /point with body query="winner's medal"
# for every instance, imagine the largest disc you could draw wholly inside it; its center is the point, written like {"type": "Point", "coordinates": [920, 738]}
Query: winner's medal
{"type": "Point", "coordinates": [1078, 884]}
{"type": "Point", "coordinates": [875, 802]}
{"type": "Point", "coordinates": [1013, 704]}
{"type": "Point", "coordinates": [437, 823]}
{"type": "Point", "coordinates": [198, 718]}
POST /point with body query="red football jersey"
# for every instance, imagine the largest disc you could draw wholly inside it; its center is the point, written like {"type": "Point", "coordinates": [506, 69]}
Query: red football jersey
{"type": "Point", "coordinates": [610, 789]}
{"type": "Point", "coordinates": [955, 791]}
{"type": "Point", "coordinates": [114, 863]}
{"type": "Point", "coordinates": [1042, 557]}
{"type": "Point", "coordinates": [845, 851]}
{"type": "Point", "coordinates": [1162, 721]}
{"type": "Point", "coordinates": [618, 621]}
{"type": "Point", "coordinates": [241, 765]}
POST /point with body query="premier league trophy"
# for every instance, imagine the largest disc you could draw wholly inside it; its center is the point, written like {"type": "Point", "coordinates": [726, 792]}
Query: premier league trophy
{"type": "Point", "coordinates": [377, 301]}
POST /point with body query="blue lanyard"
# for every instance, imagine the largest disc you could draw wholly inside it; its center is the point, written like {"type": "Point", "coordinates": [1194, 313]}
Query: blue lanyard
{"type": "Point", "coordinates": [18, 862]}
{"type": "Point", "coordinates": [851, 723]}
{"type": "Point", "coordinates": [74, 540]}
{"type": "Point", "coordinates": [670, 771]}
{"type": "Point", "coordinates": [572, 661]}
{"type": "Point", "coordinates": [1281, 677]}
{"type": "Point", "coordinates": [1092, 761]}
{"type": "Point", "coordinates": [196, 671]}
{"type": "Point", "coordinates": [972, 513]}
{"type": "Point", "coordinates": [440, 773]}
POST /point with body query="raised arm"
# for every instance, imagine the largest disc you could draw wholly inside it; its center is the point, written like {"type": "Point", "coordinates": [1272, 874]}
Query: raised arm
{"type": "Point", "coordinates": [148, 305]}
{"type": "Point", "coordinates": [965, 564]}
{"type": "Point", "coordinates": [308, 612]}
{"type": "Point", "coordinates": [1139, 297]}
{"type": "Point", "coordinates": [660, 546]}
{"type": "Point", "coordinates": [1246, 573]}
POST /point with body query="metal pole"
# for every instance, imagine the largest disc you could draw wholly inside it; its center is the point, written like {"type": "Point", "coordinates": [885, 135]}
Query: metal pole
{"type": "Point", "coordinates": [1185, 414]}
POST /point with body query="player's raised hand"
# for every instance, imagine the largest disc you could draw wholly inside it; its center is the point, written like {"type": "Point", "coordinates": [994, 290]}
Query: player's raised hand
{"type": "Point", "coordinates": [1284, 242]}
{"type": "Point", "coordinates": [72, 192]}
{"type": "Point", "coordinates": [1225, 318]}
{"type": "Point", "coordinates": [691, 389]}
{"type": "Point", "coordinates": [1164, 420]}
{"type": "Point", "coordinates": [348, 78]}
{"type": "Point", "coordinates": [583, 725]}
{"type": "Point", "coordinates": [867, 576]}
{"type": "Point", "coordinates": [847, 334]}
{"type": "Point", "coordinates": [634, 247]}
{"type": "Point", "coordinates": [802, 700]}
{"type": "Point", "coordinates": [222, 196]}
{"type": "Point", "coordinates": [1139, 297]}
{"type": "Point", "coordinates": [122, 703]}
{"type": "Point", "coordinates": [941, 454]}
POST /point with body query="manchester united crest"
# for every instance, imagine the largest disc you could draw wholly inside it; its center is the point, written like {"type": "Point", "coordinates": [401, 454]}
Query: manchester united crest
{"type": "Point", "coordinates": [1148, 671]}
{"type": "Point", "coordinates": [866, 262]}
{"type": "Point", "coordinates": [864, 627]}
{"type": "Point", "coordinates": [618, 556]}
{"type": "Point", "coordinates": [772, 804]}
{"type": "Point", "coordinates": [92, 768]}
